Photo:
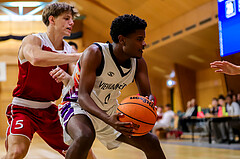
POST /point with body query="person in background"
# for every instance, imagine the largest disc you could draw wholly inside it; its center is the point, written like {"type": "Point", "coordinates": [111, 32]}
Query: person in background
{"type": "Point", "coordinates": [238, 98]}
{"type": "Point", "coordinates": [233, 110]}
{"type": "Point", "coordinates": [230, 69]}
{"type": "Point", "coordinates": [213, 109]}
{"type": "Point", "coordinates": [232, 107]}
{"type": "Point", "coordinates": [191, 111]}
{"type": "Point", "coordinates": [234, 98]}
{"type": "Point", "coordinates": [218, 128]}
{"type": "Point", "coordinates": [159, 112]}
{"type": "Point", "coordinates": [221, 101]}
{"type": "Point", "coordinates": [195, 107]}
{"type": "Point", "coordinates": [167, 117]}
{"type": "Point", "coordinates": [73, 45]}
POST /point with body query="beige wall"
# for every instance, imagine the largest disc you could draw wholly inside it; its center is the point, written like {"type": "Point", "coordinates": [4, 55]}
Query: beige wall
{"type": "Point", "coordinates": [209, 85]}
{"type": "Point", "coordinates": [90, 36]}
{"type": "Point", "coordinates": [160, 90]}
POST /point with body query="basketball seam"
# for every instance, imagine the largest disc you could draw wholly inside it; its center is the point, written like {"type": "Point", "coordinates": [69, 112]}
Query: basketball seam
{"type": "Point", "coordinates": [135, 118]}
{"type": "Point", "coordinates": [140, 105]}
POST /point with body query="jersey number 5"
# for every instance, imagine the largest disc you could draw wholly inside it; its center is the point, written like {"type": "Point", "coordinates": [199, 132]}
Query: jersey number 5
{"type": "Point", "coordinates": [19, 123]}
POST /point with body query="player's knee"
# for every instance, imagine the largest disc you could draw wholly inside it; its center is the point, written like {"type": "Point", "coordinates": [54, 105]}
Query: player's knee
{"type": "Point", "coordinates": [85, 138]}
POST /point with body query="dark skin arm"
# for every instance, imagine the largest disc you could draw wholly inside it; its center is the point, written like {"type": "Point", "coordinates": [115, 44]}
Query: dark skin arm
{"type": "Point", "coordinates": [90, 61]}
{"type": "Point", "coordinates": [142, 80]}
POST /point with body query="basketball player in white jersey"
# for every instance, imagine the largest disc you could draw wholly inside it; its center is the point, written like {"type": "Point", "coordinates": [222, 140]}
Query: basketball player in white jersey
{"type": "Point", "coordinates": [90, 98]}
{"type": "Point", "coordinates": [31, 109]}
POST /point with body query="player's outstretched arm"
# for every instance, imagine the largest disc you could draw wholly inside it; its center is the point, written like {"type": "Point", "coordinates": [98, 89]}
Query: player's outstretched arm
{"type": "Point", "coordinates": [90, 61]}
{"type": "Point", "coordinates": [31, 50]}
{"type": "Point", "coordinates": [225, 67]}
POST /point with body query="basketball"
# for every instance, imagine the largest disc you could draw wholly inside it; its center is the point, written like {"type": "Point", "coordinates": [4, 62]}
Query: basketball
{"type": "Point", "coordinates": [140, 111]}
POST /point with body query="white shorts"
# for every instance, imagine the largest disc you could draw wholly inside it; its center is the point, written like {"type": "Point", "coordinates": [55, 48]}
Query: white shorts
{"type": "Point", "coordinates": [106, 134]}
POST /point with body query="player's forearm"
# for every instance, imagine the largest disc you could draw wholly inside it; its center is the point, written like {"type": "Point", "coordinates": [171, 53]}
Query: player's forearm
{"type": "Point", "coordinates": [53, 59]}
{"type": "Point", "coordinates": [90, 106]}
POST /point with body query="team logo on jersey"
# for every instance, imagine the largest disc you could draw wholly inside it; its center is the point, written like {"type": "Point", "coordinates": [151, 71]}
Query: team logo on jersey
{"type": "Point", "coordinates": [111, 74]}
{"type": "Point", "coordinates": [113, 86]}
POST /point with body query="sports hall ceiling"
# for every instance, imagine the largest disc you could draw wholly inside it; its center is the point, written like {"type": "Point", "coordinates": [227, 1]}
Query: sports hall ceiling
{"type": "Point", "coordinates": [194, 48]}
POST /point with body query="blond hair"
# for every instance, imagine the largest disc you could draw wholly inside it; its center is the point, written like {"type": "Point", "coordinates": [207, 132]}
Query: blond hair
{"type": "Point", "coordinates": [56, 9]}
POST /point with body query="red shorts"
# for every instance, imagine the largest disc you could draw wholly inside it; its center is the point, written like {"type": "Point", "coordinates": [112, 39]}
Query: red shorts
{"type": "Point", "coordinates": [26, 121]}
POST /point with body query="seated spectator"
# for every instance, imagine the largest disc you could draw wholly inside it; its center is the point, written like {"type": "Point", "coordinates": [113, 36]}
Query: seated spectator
{"type": "Point", "coordinates": [233, 110]}
{"type": "Point", "coordinates": [221, 100]}
{"type": "Point", "coordinates": [159, 112]}
{"type": "Point", "coordinates": [232, 107]}
{"type": "Point", "coordinates": [194, 104]}
{"type": "Point", "coordinates": [213, 109]}
{"type": "Point", "coordinates": [234, 98]}
{"type": "Point", "coordinates": [191, 111]}
{"type": "Point", "coordinates": [238, 98]}
{"type": "Point", "coordinates": [167, 117]}
{"type": "Point", "coordinates": [218, 128]}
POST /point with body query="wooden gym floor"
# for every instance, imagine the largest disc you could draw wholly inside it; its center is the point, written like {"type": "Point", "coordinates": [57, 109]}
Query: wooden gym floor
{"type": "Point", "coordinates": [40, 150]}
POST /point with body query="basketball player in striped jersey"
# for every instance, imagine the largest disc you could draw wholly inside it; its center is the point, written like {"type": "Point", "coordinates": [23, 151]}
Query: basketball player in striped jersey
{"type": "Point", "coordinates": [90, 97]}
{"type": "Point", "coordinates": [32, 109]}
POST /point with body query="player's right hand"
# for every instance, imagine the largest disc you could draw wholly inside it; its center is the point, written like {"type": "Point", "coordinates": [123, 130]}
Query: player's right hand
{"type": "Point", "coordinates": [126, 128]}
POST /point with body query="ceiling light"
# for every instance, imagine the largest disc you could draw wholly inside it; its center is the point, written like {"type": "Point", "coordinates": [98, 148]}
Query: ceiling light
{"type": "Point", "coordinates": [170, 83]}
{"type": "Point", "coordinates": [22, 4]}
{"type": "Point", "coordinates": [156, 68]}
{"type": "Point", "coordinates": [195, 58]}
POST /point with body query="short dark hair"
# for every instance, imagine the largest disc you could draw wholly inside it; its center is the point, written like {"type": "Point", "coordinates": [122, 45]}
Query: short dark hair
{"type": "Point", "coordinates": [169, 105]}
{"type": "Point", "coordinates": [230, 96]}
{"type": "Point", "coordinates": [73, 43]}
{"type": "Point", "coordinates": [221, 97]}
{"type": "Point", "coordinates": [56, 9]}
{"type": "Point", "coordinates": [125, 25]}
{"type": "Point", "coordinates": [215, 99]}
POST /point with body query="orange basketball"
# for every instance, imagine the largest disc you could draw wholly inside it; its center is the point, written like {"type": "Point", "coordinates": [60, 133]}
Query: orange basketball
{"type": "Point", "coordinates": [140, 111]}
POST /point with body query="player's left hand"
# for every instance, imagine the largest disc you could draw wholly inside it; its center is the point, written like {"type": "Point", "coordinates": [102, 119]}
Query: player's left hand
{"type": "Point", "coordinates": [59, 75]}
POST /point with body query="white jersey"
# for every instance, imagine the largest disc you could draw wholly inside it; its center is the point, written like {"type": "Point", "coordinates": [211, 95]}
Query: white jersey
{"type": "Point", "coordinates": [111, 80]}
